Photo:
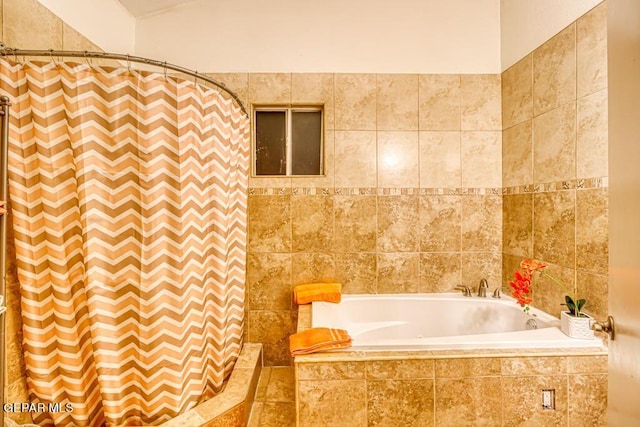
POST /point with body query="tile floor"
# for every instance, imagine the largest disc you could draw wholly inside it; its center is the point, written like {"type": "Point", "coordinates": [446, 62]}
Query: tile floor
{"type": "Point", "coordinates": [274, 405]}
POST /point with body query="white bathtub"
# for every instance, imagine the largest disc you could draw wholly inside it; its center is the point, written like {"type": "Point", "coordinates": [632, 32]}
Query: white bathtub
{"type": "Point", "coordinates": [441, 321]}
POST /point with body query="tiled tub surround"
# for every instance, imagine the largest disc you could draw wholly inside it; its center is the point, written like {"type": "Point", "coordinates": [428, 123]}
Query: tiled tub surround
{"type": "Point", "coordinates": [407, 157]}
{"type": "Point", "coordinates": [370, 242]}
{"type": "Point", "coordinates": [554, 164]}
{"type": "Point", "coordinates": [450, 387]}
{"type": "Point", "coordinates": [231, 407]}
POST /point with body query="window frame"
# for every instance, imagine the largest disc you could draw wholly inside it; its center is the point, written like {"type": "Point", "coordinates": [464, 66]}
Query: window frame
{"type": "Point", "coordinates": [288, 109]}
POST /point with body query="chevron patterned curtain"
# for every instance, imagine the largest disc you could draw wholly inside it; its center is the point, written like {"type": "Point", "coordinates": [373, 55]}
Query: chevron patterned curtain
{"type": "Point", "coordinates": [128, 193]}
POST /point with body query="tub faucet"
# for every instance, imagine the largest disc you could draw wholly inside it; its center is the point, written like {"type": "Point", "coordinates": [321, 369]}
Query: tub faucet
{"type": "Point", "coordinates": [465, 290]}
{"type": "Point", "coordinates": [482, 288]}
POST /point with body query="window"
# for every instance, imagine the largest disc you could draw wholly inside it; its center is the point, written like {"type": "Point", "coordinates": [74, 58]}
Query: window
{"type": "Point", "coordinates": [288, 141]}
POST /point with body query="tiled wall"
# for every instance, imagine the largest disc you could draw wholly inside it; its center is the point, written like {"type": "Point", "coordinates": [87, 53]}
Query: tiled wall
{"type": "Point", "coordinates": [27, 24]}
{"type": "Point", "coordinates": [555, 207]}
{"type": "Point", "coordinates": [452, 391]}
{"type": "Point", "coordinates": [411, 200]}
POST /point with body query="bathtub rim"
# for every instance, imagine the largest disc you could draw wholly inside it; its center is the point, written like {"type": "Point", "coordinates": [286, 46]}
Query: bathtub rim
{"type": "Point", "coordinates": [350, 355]}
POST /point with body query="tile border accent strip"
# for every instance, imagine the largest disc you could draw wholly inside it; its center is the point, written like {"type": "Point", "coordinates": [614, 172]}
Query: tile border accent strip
{"type": "Point", "coordinates": [327, 191]}
{"type": "Point", "coordinates": [572, 184]}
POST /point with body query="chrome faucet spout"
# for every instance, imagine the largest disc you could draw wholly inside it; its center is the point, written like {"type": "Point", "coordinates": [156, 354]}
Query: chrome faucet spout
{"type": "Point", "coordinates": [482, 288]}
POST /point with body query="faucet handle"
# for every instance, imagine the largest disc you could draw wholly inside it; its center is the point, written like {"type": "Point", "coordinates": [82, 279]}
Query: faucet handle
{"type": "Point", "coordinates": [465, 290]}
{"type": "Point", "coordinates": [497, 292]}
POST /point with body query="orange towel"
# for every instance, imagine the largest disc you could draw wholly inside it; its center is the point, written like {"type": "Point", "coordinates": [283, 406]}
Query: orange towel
{"type": "Point", "coordinates": [318, 339]}
{"type": "Point", "coordinates": [330, 292]}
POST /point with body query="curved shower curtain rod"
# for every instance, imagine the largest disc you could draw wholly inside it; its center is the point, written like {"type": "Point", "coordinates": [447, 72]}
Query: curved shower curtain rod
{"type": "Point", "coordinates": [7, 51]}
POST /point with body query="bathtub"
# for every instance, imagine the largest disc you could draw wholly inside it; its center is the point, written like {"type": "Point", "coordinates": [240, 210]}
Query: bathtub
{"type": "Point", "coordinates": [441, 321]}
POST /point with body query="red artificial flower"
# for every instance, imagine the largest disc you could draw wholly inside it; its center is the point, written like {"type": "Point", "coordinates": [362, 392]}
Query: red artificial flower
{"type": "Point", "coordinates": [531, 265]}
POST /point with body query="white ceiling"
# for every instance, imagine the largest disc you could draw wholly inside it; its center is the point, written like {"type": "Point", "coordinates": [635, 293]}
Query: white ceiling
{"type": "Point", "coordinates": [140, 8]}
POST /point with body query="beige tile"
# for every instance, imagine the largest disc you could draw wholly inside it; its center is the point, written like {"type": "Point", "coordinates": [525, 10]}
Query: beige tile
{"type": "Point", "coordinates": [312, 223]}
{"type": "Point", "coordinates": [398, 159]}
{"type": "Point", "coordinates": [355, 159]}
{"type": "Point", "coordinates": [269, 182]}
{"type": "Point", "coordinates": [521, 400]}
{"type": "Point", "coordinates": [397, 102]}
{"type": "Point", "coordinates": [480, 265]}
{"type": "Point", "coordinates": [440, 272]}
{"type": "Point", "coordinates": [355, 101]}
{"type": "Point", "coordinates": [256, 412]}
{"type": "Point", "coordinates": [355, 222]}
{"type": "Point", "coordinates": [554, 227]}
{"type": "Point", "coordinates": [233, 417]}
{"type": "Point", "coordinates": [468, 401]}
{"type": "Point", "coordinates": [326, 180]}
{"type": "Point", "coordinates": [534, 365]}
{"type": "Point", "coordinates": [73, 40]}
{"type": "Point", "coordinates": [440, 159]}
{"type": "Point", "coordinates": [517, 224]}
{"type": "Point", "coordinates": [397, 221]}
{"type": "Point", "coordinates": [269, 223]}
{"type": "Point", "coordinates": [331, 370]}
{"type": "Point", "coordinates": [407, 369]}
{"type": "Point", "coordinates": [588, 400]}
{"type": "Point", "coordinates": [277, 414]}
{"type": "Point", "coordinates": [482, 225]}
{"type": "Point", "coordinates": [554, 71]}
{"type": "Point", "coordinates": [517, 155]}
{"type": "Point", "coordinates": [592, 150]}
{"type": "Point", "coordinates": [30, 25]}
{"type": "Point", "coordinates": [439, 223]}
{"type": "Point", "coordinates": [595, 289]}
{"type": "Point", "coordinates": [554, 145]}
{"type": "Point", "coordinates": [481, 103]}
{"type": "Point", "coordinates": [547, 294]}
{"type": "Point", "coordinates": [510, 263]}
{"type": "Point", "coordinates": [400, 402]}
{"type": "Point", "coordinates": [472, 367]}
{"type": "Point", "coordinates": [591, 34]}
{"type": "Point", "coordinates": [439, 99]}
{"type": "Point", "coordinates": [312, 268]}
{"type": "Point", "coordinates": [481, 159]}
{"type": "Point", "coordinates": [237, 82]}
{"type": "Point", "coordinates": [270, 88]}
{"type": "Point", "coordinates": [314, 89]}
{"type": "Point", "coordinates": [357, 272]}
{"type": "Point", "coordinates": [261, 391]}
{"type": "Point", "coordinates": [269, 281]}
{"type": "Point", "coordinates": [587, 364]}
{"type": "Point", "coordinates": [398, 273]}
{"type": "Point", "coordinates": [592, 230]}
{"type": "Point", "coordinates": [517, 93]}
{"type": "Point", "coordinates": [272, 328]}
{"type": "Point", "coordinates": [281, 385]}
{"type": "Point", "coordinates": [325, 403]}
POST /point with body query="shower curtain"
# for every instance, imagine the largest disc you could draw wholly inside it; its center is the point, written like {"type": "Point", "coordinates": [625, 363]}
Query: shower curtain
{"type": "Point", "coordinates": [128, 194]}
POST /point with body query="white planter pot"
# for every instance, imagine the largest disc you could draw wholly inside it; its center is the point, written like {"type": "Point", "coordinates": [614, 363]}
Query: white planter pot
{"type": "Point", "coordinates": [576, 327]}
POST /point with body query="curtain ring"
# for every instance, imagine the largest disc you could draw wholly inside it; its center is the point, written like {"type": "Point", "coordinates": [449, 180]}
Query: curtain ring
{"type": "Point", "coordinates": [195, 78]}
{"type": "Point", "coordinates": [88, 59]}
{"type": "Point", "coordinates": [52, 58]}
{"type": "Point", "coordinates": [165, 69]}
{"type": "Point", "coordinates": [128, 63]}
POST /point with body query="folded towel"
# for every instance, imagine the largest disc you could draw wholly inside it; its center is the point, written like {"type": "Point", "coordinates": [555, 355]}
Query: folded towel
{"type": "Point", "coordinates": [330, 292]}
{"type": "Point", "coordinates": [318, 339]}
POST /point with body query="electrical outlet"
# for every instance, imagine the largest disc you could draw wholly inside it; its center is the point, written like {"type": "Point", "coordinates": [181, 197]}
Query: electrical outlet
{"type": "Point", "coordinates": [549, 399]}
